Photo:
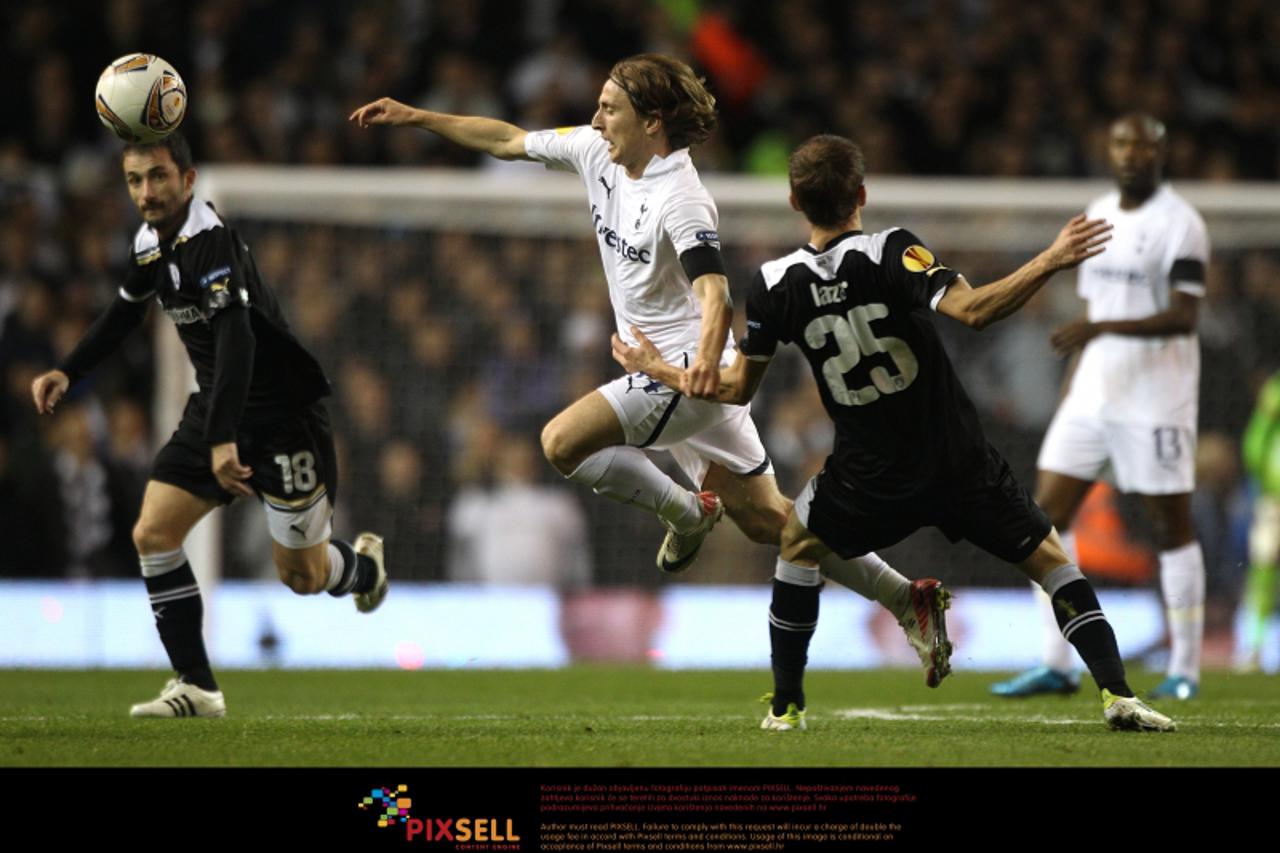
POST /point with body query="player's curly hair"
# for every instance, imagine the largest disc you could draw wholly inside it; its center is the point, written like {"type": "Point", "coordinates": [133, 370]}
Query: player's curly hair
{"type": "Point", "coordinates": [668, 89]}
{"type": "Point", "coordinates": [826, 172]}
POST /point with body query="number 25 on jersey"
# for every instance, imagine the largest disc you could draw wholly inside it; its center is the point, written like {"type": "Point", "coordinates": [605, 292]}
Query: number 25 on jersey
{"type": "Point", "coordinates": [855, 339]}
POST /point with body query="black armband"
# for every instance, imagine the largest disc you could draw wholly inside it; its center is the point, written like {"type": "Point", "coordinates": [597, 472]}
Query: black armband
{"type": "Point", "coordinates": [232, 373]}
{"type": "Point", "coordinates": [702, 260]}
{"type": "Point", "coordinates": [106, 333]}
{"type": "Point", "coordinates": [1187, 269]}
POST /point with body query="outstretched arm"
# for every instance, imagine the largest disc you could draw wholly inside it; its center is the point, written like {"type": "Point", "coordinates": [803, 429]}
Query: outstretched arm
{"type": "Point", "coordinates": [486, 135]}
{"type": "Point", "coordinates": [980, 307]}
{"type": "Point", "coordinates": [106, 333]}
{"type": "Point", "coordinates": [736, 385]}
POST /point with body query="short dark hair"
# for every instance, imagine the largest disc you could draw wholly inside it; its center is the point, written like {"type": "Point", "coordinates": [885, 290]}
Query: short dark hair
{"type": "Point", "coordinates": [178, 147]}
{"type": "Point", "coordinates": [1150, 126]}
{"type": "Point", "coordinates": [826, 172]}
{"type": "Point", "coordinates": [668, 89]}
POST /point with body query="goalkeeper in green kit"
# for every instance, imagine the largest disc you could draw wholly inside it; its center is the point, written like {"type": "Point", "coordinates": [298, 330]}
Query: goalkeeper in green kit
{"type": "Point", "coordinates": [1262, 460]}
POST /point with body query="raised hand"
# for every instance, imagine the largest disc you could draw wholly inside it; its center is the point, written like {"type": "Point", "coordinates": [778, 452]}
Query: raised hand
{"type": "Point", "coordinates": [1078, 240]}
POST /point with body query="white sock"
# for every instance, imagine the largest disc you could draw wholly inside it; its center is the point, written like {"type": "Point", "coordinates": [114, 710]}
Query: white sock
{"type": "Point", "coordinates": [872, 578]}
{"type": "Point", "coordinates": [336, 566]}
{"type": "Point", "coordinates": [1182, 581]}
{"type": "Point", "coordinates": [1056, 653]}
{"type": "Point", "coordinates": [625, 475]}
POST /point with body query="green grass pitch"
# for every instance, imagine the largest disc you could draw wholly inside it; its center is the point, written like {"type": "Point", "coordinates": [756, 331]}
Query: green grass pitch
{"type": "Point", "coordinates": [616, 717]}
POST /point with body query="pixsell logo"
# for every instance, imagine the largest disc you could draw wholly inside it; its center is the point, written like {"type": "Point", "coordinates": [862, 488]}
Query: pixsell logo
{"type": "Point", "coordinates": [391, 804]}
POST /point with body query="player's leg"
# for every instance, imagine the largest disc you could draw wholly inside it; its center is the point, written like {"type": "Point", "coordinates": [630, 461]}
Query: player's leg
{"type": "Point", "coordinates": [1073, 455]}
{"type": "Point", "coordinates": [793, 618]}
{"type": "Point", "coordinates": [1260, 584]}
{"type": "Point", "coordinates": [1085, 626]}
{"type": "Point", "coordinates": [588, 443]}
{"type": "Point", "coordinates": [167, 516]}
{"type": "Point", "coordinates": [760, 510]}
{"type": "Point", "coordinates": [296, 475]}
{"type": "Point", "coordinates": [752, 501]}
{"type": "Point", "coordinates": [1060, 496]}
{"type": "Point", "coordinates": [1182, 583]}
{"type": "Point", "coordinates": [1159, 464]}
{"type": "Point", "coordinates": [998, 515]}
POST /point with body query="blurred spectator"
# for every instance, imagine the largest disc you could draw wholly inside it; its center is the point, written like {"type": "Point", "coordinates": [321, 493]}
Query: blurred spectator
{"type": "Point", "coordinates": [517, 531]}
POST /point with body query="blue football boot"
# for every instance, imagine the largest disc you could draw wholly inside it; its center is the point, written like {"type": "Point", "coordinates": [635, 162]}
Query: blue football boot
{"type": "Point", "coordinates": [1175, 687]}
{"type": "Point", "coordinates": [1036, 682]}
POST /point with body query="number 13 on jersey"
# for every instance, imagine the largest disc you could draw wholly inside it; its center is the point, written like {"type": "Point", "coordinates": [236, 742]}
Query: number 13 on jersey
{"type": "Point", "coordinates": [855, 339]}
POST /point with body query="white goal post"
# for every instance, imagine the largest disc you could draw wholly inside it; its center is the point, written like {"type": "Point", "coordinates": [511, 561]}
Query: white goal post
{"type": "Point", "coordinates": [524, 199]}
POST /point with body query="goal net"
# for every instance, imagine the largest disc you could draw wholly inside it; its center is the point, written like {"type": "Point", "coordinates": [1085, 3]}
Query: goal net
{"type": "Point", "coordinates": [456, 312]}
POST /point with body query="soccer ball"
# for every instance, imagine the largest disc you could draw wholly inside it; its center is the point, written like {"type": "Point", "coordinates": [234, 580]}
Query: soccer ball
{"type": "Point", "coordinates": [141, 98]}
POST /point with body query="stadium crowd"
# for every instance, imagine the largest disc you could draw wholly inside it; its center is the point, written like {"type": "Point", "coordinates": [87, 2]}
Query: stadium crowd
{"type": "Point", "coordinates": [955, 87]}
{"type": "Point", "coordinates": [443, 355]}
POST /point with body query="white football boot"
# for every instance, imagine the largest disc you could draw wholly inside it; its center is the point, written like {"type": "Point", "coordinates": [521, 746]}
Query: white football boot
{"type": "Point", "coordinates": [791, 720]}
{"type": "Point", "coordinates": [679, 549]}
{"type": "Point", "coordinates": [370, 545]}
{"type": "Point", "coordinates": [926, 628]}
{"type": "Point", "coordinates": [179, 699]}
{"type": "Point", "coordinates": [1130, 714]}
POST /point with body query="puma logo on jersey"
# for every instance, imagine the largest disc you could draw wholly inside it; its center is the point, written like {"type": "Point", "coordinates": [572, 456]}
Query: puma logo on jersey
{"type": "Point", "coordinates": [828, 294]}
{"type": "Point", "coordinates": [608, 190]}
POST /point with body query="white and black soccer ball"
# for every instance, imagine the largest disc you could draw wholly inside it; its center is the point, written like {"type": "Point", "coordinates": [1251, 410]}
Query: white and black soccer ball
{"type": "Point", "coordinates": [141, 98]}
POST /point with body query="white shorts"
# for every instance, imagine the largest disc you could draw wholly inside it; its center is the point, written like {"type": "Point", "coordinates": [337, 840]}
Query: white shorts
{"type": "Point", "coordinates": [696, 432]}
{"type": "Point", "coordinates": [1144, 458]}
{"type": "Point", "coordinates": [300, 524]}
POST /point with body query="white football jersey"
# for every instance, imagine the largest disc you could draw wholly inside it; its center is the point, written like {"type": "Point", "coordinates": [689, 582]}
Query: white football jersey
{"type": "Point", "coordinates": [642, 227]}
{"type": "Point", "coordinates": [1134, 379]}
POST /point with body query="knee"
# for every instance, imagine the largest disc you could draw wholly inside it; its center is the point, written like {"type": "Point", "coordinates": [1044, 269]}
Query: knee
{"type": "Point", "coordinates": [1171, 536]}
{"type": "Point", "coordinates": [150, 538]}
{"type": "Point", "coordinates": [559, 448]}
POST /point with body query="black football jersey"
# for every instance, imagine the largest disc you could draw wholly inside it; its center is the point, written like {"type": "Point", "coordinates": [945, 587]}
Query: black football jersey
{"type": "Point", "coordinates": [206, 269]}
{"type": "Point", "coordinates": [858, 309]}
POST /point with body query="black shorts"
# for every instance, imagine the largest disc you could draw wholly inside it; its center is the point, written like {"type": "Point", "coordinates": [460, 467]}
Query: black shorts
{"type": "Point", "coordinates": [293, 459]}
{"type": "Point", "coordinates": [990, 508]}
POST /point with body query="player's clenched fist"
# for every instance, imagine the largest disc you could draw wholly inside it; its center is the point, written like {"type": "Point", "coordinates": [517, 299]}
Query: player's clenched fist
{"type": "Point", "coordinates": [47, 389]}
{"type": "Point", "coordinates": [701, 380]}
{"type": "Point", "coordinates": [383, 111]}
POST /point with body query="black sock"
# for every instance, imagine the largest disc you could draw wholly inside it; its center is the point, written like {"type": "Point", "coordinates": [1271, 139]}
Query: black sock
{"type": "Point", "coordinates": [793, 616]}
{"type": "Point", "coordinates": [179, 612]}
{"type": "Point", "coordinates": [1085, 626]}
{"type": "Point", "coordinates": [358, 571]}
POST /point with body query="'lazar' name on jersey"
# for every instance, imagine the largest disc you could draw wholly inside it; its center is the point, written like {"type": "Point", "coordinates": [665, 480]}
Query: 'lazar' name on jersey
{"type": "Point", "coordinates": [858, 311]}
